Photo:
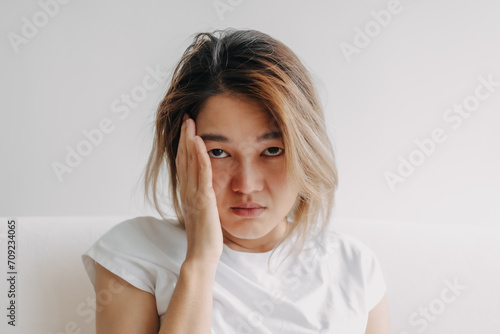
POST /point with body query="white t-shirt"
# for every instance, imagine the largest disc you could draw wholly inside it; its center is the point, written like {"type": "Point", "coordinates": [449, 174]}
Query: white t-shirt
{"type": "Point", "coordinates": [329, 288]}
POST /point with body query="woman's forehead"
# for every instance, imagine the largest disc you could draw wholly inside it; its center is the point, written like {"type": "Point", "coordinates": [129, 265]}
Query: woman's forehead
{"type": "Point", "coordinates": [267, 136]}
{"type": "Point", "coordinates": [225, 116]}
{"type": "Point", "coordinates": [226, 103]}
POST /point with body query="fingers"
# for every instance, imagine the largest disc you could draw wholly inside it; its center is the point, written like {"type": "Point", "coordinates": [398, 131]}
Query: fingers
{"type": "Point", "coordinates": [192, 159]}
{"type": "Point", "coordinates": [181, 159]}
{"type": "Point", "coordinates": [204, 165]}
{"type": "Point", "coordinates": [194, 168]}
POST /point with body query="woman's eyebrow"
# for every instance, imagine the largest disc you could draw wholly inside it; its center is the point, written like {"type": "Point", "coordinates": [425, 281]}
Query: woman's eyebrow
{"type": "Point", "coordinates": [223, 139]}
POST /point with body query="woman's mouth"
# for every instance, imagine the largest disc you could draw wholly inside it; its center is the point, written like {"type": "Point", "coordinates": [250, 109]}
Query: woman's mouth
{"type": "Point", "coordinates": [248, 209]}
{"type": "Point", "coordinates": [248, 212]}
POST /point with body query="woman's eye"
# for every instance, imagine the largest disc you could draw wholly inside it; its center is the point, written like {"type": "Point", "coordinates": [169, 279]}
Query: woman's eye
{"type": "Point", "coordinates": [217, 153]}
{"type": "Point", "coordinates": [274, 151]}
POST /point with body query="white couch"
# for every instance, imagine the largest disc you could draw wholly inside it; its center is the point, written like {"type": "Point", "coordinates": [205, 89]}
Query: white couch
{"type": "Point", "coordinates": [442, 278]}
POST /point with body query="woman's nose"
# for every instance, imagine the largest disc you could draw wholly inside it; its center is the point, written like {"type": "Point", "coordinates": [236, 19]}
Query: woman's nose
{"type": "Point", "coordinates": [246, 177]}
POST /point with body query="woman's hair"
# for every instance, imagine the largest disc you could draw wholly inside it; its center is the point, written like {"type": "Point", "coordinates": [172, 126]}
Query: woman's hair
{"type": "Point", "coordinates": [250, 64]}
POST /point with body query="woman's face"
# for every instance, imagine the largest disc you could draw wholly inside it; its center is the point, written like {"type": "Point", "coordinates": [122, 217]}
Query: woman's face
{"type": "Point", "coordinates": [248, 170]}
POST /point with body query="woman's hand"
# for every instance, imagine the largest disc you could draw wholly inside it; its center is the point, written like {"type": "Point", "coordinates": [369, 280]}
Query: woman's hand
{"type": "Point", "coordinates": [198, 202]}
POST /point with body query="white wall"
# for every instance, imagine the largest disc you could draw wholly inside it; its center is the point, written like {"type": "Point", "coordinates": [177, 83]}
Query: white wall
{"type": "Point", "coordinates": [63, 79]}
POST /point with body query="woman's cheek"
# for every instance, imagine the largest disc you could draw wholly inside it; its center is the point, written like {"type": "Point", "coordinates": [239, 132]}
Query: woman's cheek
{"type": "Point", "coordinates": [220, 176]}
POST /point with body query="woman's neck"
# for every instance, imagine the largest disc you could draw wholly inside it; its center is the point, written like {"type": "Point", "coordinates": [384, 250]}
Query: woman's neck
{"type": "Point", "coordinates": [260, 245]}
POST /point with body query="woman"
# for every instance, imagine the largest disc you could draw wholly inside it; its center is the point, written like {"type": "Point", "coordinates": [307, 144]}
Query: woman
{"type": "Point", "coordinates": [252, 181]}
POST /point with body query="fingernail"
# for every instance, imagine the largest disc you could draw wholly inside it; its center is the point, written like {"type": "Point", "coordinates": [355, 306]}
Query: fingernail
{"type": "Point", "coordinates": [186, 116]}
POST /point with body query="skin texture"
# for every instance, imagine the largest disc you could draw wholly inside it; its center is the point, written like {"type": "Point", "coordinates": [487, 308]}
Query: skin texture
{"type": "Point", "coordinates": [246, 170]}
{"type": "Point", "coordinates": [129, 311]}
{"type": "Point", "coordinates": [214, 176]}
{"type": "Point", "coordinates": [378, 319]}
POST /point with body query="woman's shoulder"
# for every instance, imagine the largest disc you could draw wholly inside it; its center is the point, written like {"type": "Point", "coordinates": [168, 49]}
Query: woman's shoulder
{"type": "Point", "coordinates": [353, 256]}
{"type": "Point", "coordinates": [361, 266]}
{"type": "Point", "coordinates": [147, 226]}
{"type": "Point", "coordinates": [344, 250]}
{"type": "Point", "coordinates": [350, 245]}
{"type": "Point", "coordinates": [342, 242]}
{"type": "Point", "coordinates": [144, 251]}
{"type": "Point", "coordinates": [147, 235]}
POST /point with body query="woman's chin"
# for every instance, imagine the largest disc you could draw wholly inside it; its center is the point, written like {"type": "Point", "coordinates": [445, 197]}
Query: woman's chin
{"type": "Point", "coordinates": [249, 229]}
{"type": "Point", "coordinates": [243, 231]}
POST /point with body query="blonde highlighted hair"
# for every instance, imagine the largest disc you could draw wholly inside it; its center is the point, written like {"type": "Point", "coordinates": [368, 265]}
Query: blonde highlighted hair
{"type": "Point", "coordinates": [254, 65]}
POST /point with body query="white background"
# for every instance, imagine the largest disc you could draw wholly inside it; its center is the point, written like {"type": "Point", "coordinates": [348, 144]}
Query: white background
{"type": "Point", "coordinates": [64, 78]}
{"type": "Point", "coordinates": [394, 91]}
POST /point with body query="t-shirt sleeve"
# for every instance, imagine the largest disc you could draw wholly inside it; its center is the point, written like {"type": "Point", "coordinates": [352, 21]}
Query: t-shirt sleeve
{"type": "Point", "coordinates": [365, 273]}
{"type": "Point", "coordinates": [124, 251]}
{"type": "Point", "coordinates": [374, 279]}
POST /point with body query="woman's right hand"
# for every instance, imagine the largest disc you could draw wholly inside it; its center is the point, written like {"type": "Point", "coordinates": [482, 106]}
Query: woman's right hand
{"type": "Point", "coordinates": [198, 202]}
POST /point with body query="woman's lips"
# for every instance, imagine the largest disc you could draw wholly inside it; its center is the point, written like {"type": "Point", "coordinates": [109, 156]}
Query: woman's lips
{"type": "Point", "coordinates": [248, 212]}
